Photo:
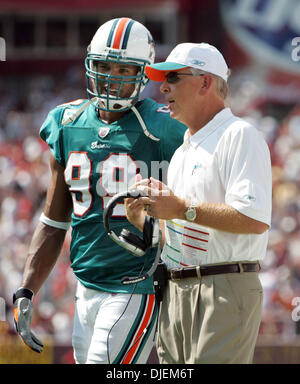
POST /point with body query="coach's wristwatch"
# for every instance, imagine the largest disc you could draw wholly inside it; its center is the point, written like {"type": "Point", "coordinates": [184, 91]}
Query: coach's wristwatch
{"type": "Point", "coordinates": [191, 213]}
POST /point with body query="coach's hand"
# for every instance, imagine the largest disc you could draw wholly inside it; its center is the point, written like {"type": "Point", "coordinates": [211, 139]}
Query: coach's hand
{"type": "Point", "coordinates": [23, 312]}
{"type": "Point", "coordinates": [134, 207]}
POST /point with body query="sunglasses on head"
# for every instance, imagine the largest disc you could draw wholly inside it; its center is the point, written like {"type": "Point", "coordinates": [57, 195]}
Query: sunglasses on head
{"type": "Point", "coordinates": [173, 77]}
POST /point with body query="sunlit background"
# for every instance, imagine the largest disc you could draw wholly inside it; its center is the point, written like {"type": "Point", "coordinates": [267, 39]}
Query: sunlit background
{"type": "Point", "coordinates": [44, 46]}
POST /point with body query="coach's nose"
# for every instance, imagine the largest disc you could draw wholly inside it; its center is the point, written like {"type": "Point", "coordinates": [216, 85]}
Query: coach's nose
{"type": "Point", "coordinates": [165, 87]}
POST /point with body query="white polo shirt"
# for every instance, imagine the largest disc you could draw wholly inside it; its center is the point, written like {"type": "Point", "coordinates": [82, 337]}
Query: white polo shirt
{"type": "Point", "coordinates": [226, 161]}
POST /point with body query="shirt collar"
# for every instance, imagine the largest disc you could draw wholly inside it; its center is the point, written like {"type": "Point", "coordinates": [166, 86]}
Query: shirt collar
{"type": "Point", "coordinates": [213, 124]}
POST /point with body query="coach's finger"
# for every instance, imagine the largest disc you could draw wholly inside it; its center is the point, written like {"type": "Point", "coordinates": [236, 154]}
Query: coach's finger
{"type": "Point", "coordinates": [154, 183]}
{"type": "Point", "coordinates": [134, 204]}
{"type": "Point", "coordinates": [163, 189]}
{"type": "Point", "coordinates": [146, 201]}
{"type": "Point", "coordinates": [138, 178]}
{"type": "Point", "coordinates": [139, 181]}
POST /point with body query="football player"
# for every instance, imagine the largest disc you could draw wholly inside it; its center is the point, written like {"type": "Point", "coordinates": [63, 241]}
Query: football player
{"type": "Point", "coordinates": [98, 146]}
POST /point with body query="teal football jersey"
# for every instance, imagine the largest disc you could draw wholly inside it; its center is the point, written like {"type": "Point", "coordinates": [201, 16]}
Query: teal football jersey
{"type": "Point", "coordinates": [101, 160]}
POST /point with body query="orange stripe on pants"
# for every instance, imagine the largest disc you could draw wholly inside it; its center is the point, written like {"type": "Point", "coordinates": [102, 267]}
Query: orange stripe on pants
{"type": "Point", "coordinates": [144, 324]}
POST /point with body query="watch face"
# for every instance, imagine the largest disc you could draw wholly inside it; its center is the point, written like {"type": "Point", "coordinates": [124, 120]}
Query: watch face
{"type": "Point", "coordinates": [190, 214]}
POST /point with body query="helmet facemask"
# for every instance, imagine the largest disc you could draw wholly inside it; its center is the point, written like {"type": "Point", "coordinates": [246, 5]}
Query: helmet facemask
{"type": "Point", "coordinates": [107, 90]}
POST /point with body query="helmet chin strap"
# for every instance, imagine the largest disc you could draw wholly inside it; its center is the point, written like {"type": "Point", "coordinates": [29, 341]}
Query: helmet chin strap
{"type": "Point", "coordinates": [119, 105]}
{"type": "Point", "coordinates": [114, 105]}
{"type": "Point", "coordinates": [143, 125]}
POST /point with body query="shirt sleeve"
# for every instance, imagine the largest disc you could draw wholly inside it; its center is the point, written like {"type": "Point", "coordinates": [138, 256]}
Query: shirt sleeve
{"type": "Point", "coordinates": [51, 133]}
{"type": "Point", "coordinates": [246, 171]}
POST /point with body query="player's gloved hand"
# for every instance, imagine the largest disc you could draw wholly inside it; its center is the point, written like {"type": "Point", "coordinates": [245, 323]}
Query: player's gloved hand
{"type": "Point", "coordinates": [23, 312]}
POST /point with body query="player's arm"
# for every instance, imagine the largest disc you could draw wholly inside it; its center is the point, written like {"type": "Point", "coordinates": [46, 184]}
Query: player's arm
{"type": "Point", "coordinates": [43, 253]}
{"type": "Point", "coordinates": [48, 238]}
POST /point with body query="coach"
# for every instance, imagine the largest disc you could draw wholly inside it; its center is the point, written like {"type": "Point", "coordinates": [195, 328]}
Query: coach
{"type": "Point", "coordinates": [217, 210]}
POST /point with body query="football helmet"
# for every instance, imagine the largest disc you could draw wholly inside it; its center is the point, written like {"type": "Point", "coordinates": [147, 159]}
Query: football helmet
{"type": "Point", "coordinates": [122, 41]}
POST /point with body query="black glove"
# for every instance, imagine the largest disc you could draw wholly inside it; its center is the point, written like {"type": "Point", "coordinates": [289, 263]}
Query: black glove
{"type": "Point", "coordinates": [23, 312]}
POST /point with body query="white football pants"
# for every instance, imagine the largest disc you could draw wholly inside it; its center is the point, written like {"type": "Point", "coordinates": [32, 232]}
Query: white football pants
{"type": "Point", "coordinates": [113, 328]}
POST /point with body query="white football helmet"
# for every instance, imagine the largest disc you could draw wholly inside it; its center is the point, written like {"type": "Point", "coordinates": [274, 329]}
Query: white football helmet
{"type": "Point", "coordinates": [125, 41]}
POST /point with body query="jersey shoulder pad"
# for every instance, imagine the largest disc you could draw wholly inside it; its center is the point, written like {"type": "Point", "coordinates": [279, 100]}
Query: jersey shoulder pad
{"type": "Point", "coordinates": [72, 110]}
{"type": "Point", "coordinates": [51, 130]}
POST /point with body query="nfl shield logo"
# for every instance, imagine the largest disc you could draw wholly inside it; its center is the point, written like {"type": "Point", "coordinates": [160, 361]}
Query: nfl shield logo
{"type": "Point", "coordinates": [103, 131]}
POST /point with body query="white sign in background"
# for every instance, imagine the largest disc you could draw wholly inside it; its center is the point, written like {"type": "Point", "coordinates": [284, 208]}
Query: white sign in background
{"type": "Point", "coordinates": [2, 49]}
{"type": "Point", "coordinates": [2, 309]}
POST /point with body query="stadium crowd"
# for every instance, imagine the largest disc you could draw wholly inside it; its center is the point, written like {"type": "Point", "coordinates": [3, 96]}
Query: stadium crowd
{"type": "Point", "coordinates": [24, 176]}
